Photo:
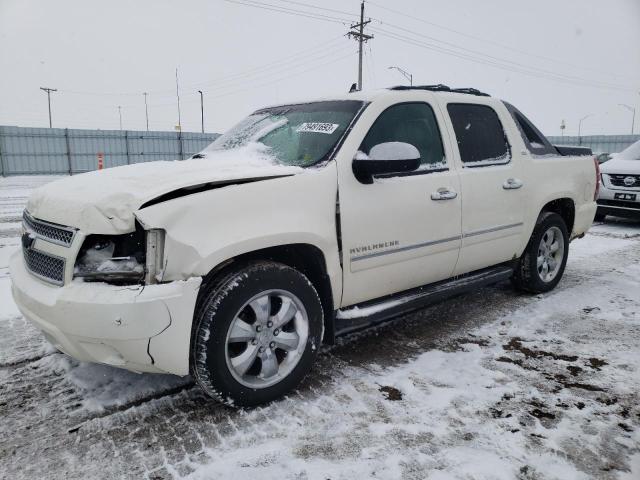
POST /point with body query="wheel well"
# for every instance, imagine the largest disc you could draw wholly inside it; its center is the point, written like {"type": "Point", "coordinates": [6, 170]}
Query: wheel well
{"type": "Point", "coordinates": [305, 258]}
{"type": "Point", "coordinates": [565, 208]}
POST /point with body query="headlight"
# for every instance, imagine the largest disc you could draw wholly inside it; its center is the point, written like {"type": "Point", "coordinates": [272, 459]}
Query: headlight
{"type": "Point", "coordinates": [122, 259]}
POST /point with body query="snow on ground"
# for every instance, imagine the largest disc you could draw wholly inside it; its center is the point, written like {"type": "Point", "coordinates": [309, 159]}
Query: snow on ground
{"type": "Point", "coordinates": [491, 385]}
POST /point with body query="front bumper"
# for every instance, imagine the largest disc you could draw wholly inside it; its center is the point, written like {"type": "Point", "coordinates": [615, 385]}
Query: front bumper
{"type": "Point", "coordinates": [140, 328]}
{"type": "Point", "coordinates": [609, 205]}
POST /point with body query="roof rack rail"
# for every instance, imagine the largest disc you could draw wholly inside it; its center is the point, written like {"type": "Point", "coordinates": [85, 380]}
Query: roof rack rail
{"type": "Point", "coordinates": [470, 91]}
{"type": "Point", "coordinates": [436, 88]}
{"type": "Point", "coordinates": [441, 88]}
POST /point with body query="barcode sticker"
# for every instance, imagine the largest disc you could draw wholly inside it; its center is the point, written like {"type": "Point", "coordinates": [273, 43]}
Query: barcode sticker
{"type": "Point", "coordinates": [317, 127]}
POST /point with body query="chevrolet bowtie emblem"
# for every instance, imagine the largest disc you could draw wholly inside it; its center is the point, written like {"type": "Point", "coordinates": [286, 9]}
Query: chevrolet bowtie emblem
{"type": "Point", "coordinates": [27, 240]}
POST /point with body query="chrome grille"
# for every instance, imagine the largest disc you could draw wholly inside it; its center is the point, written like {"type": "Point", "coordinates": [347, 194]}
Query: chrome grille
{"type": "Point", "coordinates": [49, 231]}
{"type": "Point", "coordinates": [619, 180]}
{"type": "Point", "coordinates": [48, 267]}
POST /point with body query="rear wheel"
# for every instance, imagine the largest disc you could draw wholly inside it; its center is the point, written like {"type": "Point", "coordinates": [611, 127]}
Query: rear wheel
{"type": "Point", "coordinates": [543, 262]}
{"type": "Point", "coordinates": [257, 334]}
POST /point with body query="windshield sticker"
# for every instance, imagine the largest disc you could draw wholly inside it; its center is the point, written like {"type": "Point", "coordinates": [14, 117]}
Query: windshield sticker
{"type": "Point", "coordinates": [317, 127]}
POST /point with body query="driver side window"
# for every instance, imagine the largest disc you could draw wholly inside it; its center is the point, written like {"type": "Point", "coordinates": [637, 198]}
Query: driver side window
{"type": "Point", "coordinates": [413, 123]}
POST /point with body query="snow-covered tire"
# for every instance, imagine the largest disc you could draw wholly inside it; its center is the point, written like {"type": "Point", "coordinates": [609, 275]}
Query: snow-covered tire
{"type": "Point", "coordinates": [527, 275]}
{"type": "Point", "coordinates": [243, 319]}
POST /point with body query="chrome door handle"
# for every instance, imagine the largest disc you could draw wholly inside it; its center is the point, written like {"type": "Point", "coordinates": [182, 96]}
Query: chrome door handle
{"type": "Point", "coordinates": [444, 194]}
{"type": "Point", "coordinates": [512, 184]}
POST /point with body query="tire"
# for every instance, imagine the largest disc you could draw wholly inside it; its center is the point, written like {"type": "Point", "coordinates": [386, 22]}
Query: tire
{"type": "Point", "coordinates": [257, 333]}
{"type": "Point", "coordinates": [600, 217]}
{"type": "Point", "coordinates": [529, 275]}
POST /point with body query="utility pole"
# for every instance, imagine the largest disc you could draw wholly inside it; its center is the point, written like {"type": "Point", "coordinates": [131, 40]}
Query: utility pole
{"type": "Point", "coordinates": [357, 31]}
{"type": "Point", "coordinates": [179, 127]}
{"type": "Point", "coordinates": [201, 110]}
{"type": "Point", "coordinates": [633, 115]}
{"type": "Point", "coordinates": [49, 90]}
{"type": "Point", "coordinates": [562, 127]}
{"type": "Point", "coordinates": [120, 115]}
{"type": "Point", "coordinates": [146, 109]}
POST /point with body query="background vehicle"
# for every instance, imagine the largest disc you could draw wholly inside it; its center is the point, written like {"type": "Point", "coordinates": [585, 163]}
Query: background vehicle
{"type": "Point", "coordinates": [303, 222]}
{"type": "Point", "coordinates": [620, 185]}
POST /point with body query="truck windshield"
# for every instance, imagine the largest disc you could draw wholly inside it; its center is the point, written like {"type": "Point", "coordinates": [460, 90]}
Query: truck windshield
{"type": "Point", "coordinates": [300, 135]}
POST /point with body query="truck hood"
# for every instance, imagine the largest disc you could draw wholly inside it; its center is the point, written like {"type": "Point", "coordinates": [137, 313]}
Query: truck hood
{"type": "Point", "coordinates": [104, 201]}
{"type": "Point", "coordinates": [621, 166]}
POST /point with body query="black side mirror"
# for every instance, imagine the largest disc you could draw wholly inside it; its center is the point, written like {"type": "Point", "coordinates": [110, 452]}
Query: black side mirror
{"type": "Point", "coordinates": [386, 158]}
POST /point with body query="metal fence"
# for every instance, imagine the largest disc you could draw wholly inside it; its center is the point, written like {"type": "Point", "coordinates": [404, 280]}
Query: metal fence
{"type": "Point", "coordinates": [25, 151]}
{"type": "Point", "coordinates": [598, 143]}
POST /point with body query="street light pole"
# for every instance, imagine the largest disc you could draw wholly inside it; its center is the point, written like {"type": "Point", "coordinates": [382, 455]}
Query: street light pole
{"type": "Point", "coordinates": [201, 110]}
{"type": "Point", "coordinates": [146, 109]}
{"type": "Point", "coordinates": [633, 114]}
{"type": "Point", "coordinates": [120, 115]}
{"type": "Point", "coordinates": [178, 98]}
{"type": "Point", "coordinates": [404, 73]}
{"type": "Point", "coordinates": [580, 127]}
{"type": "Point", "coordinates": [49, 90]}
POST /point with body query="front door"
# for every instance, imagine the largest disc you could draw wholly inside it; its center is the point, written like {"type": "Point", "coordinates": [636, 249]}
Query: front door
{"type": "Point", "coordinates": [401, 231]}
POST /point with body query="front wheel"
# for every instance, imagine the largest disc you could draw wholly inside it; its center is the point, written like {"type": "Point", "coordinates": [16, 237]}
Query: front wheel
{"type": "Point", "coordinates": [543, 262]}
{"type": "Point", "coordinates": [257, 333]}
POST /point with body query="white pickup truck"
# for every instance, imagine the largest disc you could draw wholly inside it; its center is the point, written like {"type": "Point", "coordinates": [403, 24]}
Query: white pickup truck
{"type": "Point", "coordinates": [303, 222]}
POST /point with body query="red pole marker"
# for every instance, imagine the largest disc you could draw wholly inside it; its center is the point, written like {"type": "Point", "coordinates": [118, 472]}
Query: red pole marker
{"type": "Point", "coordinates": [100, 161]}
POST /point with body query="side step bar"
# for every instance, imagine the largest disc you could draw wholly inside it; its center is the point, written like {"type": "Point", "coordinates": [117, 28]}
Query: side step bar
{"type": "Point", "coordinates": [367, 314]}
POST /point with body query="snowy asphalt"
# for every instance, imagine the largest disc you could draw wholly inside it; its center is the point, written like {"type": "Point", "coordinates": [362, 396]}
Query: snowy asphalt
{"type": "Point", "coordinates": [490, 385]}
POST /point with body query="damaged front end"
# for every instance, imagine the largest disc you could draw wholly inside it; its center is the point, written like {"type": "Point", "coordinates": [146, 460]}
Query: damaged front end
{"type": "Point", "coordinates": [128, 259]}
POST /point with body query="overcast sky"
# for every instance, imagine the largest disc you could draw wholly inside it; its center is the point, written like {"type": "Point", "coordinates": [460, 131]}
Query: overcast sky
{"type": "Point", "coordinates": [553, 59]}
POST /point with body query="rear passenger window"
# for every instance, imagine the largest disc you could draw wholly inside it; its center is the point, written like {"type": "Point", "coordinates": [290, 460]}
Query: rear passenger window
{"type": "Point", "coordinates": [534, 140]}
{"type": "Point", "coordinates": [481, 138]}
{"type": "Point", "coordinates": [532, 137]}
{"type": "Point", "coordinates": [413, 123]}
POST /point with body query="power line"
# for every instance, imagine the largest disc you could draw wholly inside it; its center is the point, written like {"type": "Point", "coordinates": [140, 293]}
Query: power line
{"type": "Point", "coordinates": [497, 59]}
{"type": "Point", "coordinates": [289, 11]}
{"type": "Point", "coordinates": [475, 52]}
{"type": "Point", "coordinates": [491, 42]}
{"type": "Point", "coordinates": [275, 64]}
{"type": "Point", "coordinates": [336, 60]}
{"type": "Point", "coordinates": [250, 80]}
{"type": "Point", "coordinates": [308, 5]}
{"type": "Point", "coordinates": [306, 57]}
{"type": "Point", "coordinates": [497, 63]}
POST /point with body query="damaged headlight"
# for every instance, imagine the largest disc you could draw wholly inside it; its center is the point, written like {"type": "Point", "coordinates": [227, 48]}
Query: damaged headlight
{"type": "Point", "coordinates": [122, 259]}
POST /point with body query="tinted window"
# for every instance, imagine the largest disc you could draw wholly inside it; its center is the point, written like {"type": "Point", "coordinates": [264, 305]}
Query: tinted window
{"type": "Point", "coordinates": [481, 138]}
{"type": "Point", "coordinates": [535, 141]}
{"type": "Point", "coordinates": [413, 123]}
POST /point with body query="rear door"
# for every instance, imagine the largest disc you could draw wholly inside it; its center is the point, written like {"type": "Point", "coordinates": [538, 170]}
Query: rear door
{"type": "Point", "coordinates": [493, 188]}
{"type": "Point", "coordinates": [394, 235]}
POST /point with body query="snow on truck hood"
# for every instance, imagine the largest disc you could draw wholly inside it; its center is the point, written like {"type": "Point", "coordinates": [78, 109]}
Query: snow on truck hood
{"type": "Point", "coordinates": [104, 201]}
{"type": "Point", "coordinates": [621, 166]}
